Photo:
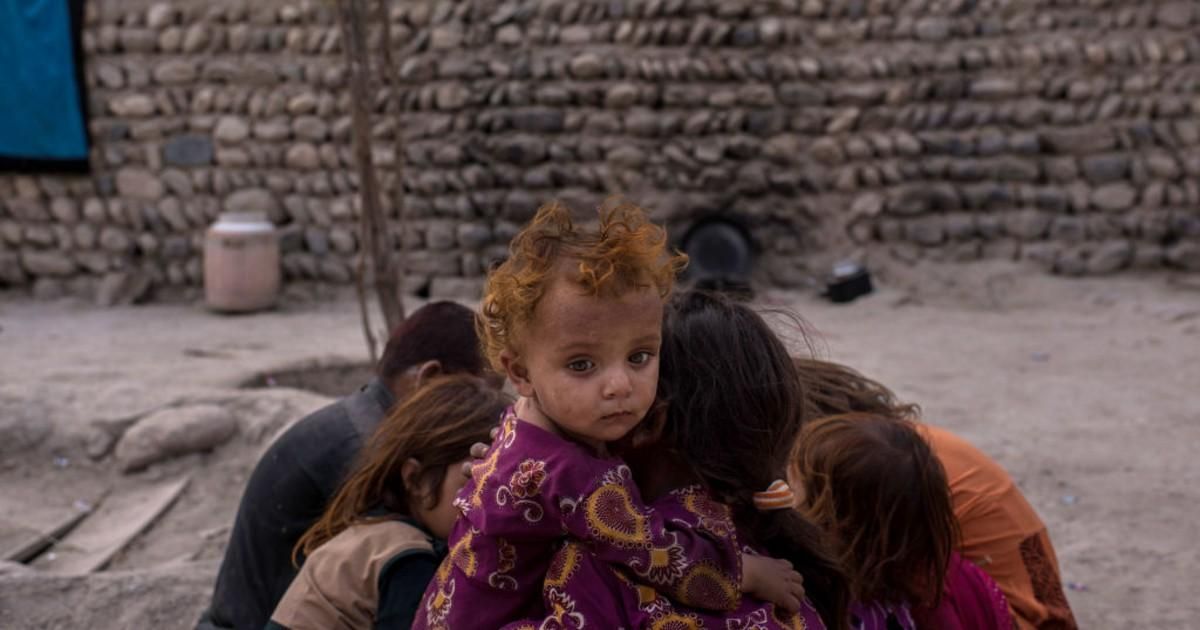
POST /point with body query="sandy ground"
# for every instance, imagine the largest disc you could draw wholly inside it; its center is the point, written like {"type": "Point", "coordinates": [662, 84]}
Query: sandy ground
{"type": "Point", "coordinates": [1088, 391]}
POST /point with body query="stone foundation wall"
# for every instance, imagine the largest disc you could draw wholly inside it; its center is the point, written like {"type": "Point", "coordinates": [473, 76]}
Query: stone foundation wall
{"type": "Point", "coordinates": [1065, 132]}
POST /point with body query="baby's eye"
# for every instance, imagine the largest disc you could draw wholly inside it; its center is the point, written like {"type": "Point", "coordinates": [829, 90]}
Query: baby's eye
{"type": "Point", "coordinates": [580, 365]}
{"type": "Point", "coordinates": [638, 358]}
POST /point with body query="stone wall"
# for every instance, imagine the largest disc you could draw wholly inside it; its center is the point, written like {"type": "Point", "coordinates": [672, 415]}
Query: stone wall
{"type": "Point", "coordinates": [1066, 133]}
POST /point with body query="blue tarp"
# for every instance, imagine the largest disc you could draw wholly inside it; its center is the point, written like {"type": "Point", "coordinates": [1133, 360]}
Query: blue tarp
{"type": "Point", "coordinates": [41, 117]}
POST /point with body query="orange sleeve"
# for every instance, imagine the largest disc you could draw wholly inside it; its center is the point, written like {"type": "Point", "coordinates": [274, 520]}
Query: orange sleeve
{"type": "Point", "coordinates": [1001, 532]}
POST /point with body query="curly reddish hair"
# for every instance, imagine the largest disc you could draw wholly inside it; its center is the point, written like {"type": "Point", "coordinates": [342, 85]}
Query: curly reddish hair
{"type": "Point", "coordinates": [624, 252]}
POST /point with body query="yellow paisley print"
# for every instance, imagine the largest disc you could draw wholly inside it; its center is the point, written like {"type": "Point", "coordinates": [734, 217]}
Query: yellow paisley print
{"type": "Point", "coordinates": [461, 556]}
{"type": "Point", "coordinates": [676, 621]}
{"type": "Point", "coordinates": [611, 515]}
{"type": "Point", "coordinates": [564, 566]}
{"type": "Point", "coordinates": [713, 517]}
{"type": "Point", "coordinates": [481, 472]}
{"type": "Point", "coordinates": [708, 587]}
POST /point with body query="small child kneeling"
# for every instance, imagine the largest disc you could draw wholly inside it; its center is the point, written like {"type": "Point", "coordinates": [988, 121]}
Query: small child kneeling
{"type": "Point", "coordinates": [876, 486]}
{"type": "Point", "coordinates": [372, 553]}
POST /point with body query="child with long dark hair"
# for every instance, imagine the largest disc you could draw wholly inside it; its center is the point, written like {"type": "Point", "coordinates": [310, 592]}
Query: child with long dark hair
{"type": "Point", "coordinates": [372, 552]}
{"type": "Point", "coordinates": [874, 484]}
{"type": "Point", "coordinates": [733, 404]}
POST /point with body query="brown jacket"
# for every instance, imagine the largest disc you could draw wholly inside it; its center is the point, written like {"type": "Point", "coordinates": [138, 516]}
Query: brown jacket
{"type": "Point", "coordinates": [338, 586]}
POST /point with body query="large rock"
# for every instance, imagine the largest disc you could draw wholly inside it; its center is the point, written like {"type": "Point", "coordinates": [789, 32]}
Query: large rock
{"type": "Point", "coordinates": [995, 88]}
{"type": "Point", "coordinates": [440, 235]}
{"type": "Point", "coordinates": [11, 272]}
{"type": "Point", "coordinates": [173, 432]}
{"type": "Point", "coordinates": [64, 210]}
{"type": "Point", "coordinates": [587, 66]}
{"type": "Point", "coordinates": [178, 182]}
{"type": "Point", "coordinates": [473, 235]}
{"type": "Point", "coordinates": [1176, 14]}
{"type": "Point", "coordinates": [302, 156]}
{"type": "Point", "coordinates": [188, 150]}
{"type": "Point", "coordinates": [918, 199]}
{"type": "Point", "coordinates": [47, 262]}
{"type": "Point", "coordinates": [25, 422]}
{"type": "Point", "coordinates": [160, 15]}
{"type": "Point", "coordinates": [312, 128]}
{"type": "Point", "coordinates": [1114, 197]}
{"type": "Point", "coordinates": [933, 29]}
{"type": "Point", "coordinates": [335, 270]}
{"type": "Point", "coordinates": [1027, 224]}
{"type": "Point", "coordinates": [139, 183]}
{"type": "Point", "coordinates": [114, 239]}
{"type": "Point", "coordinates": [1110, 256]}
{"type": "Point", "coordinates": [446, 36]}
{"type": "Point", "coordinates": [252, 200]}
{"type": "Point", "coordinates": [1106, 167]}
{"type": "Point", "coordinates": [33, 210]}
{"type": "Point", "coordinates": [272, 129]}
{"type": "Point", "coordinates": [621, 95]}
{"type": "Point", "coordinates": [175, 72]}
{"type": "Point", "coordinates": [343, 240]}
{"type": "Point", "coordinates": [1080, 140]}
{"type": "Point", "coordinates": [927, 230]}
{"type": "Point", "coordinates": [132, 105]}
{"type": "Point", "coordinates": [1161, 165]}
{"type": "Point", "coordinates": [231, 130]}
{"type": "Point", "coordinates": [452, 96]}
{"type": "Point", "coordinates": [1185, 255]}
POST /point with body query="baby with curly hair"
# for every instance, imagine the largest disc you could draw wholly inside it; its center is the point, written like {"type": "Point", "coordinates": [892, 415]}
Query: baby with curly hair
{"type": "Point", "coordinates": [574, 318]}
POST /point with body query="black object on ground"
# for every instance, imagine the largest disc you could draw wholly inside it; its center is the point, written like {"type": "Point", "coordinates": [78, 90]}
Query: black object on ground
{"type": "Point", "coordinates": [847, 282]}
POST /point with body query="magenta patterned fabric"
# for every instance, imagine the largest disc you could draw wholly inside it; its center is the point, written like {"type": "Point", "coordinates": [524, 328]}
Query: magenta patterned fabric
{"type": "Point", "coordinates": [881, 616]}
{"type": "Point", "coordinates": [971, 601]}
{"type": "Point", "coordinates": [583, 591]}
{"type": "Point", "coordinates": [533, 491]}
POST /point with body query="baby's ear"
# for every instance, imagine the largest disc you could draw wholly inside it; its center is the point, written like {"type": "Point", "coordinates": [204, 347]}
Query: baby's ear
{"type": "Point", "coordinates": [517, 373]}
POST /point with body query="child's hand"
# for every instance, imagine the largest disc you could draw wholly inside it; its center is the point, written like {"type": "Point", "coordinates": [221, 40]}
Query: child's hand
{"type": "Point", "coordinates": [772, 580]}
{"type": "Point", "coordinates": [479, 451]}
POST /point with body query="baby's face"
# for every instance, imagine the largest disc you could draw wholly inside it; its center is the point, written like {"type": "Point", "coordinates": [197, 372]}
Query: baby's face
{"type": "Point", "coordinates": [592, 363]}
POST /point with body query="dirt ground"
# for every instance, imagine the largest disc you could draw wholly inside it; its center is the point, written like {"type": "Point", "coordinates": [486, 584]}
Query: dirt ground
{"type": "Point", "coordinates": [1087, 391]}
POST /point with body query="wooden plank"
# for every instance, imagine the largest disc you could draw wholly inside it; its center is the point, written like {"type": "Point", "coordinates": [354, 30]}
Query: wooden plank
{"type": "Point", "coordinates": [120, 519]}
{"type": "Point", "coordinates": [30, 542]}
{"type": "Point", "coordinates": [15, 534]}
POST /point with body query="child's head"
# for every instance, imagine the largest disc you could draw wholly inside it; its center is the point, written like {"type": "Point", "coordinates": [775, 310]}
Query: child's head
{"type": "Point", "coordinates": [874, 483]}
{"type": "Point", "coordinates": [438, 338]}
{"type": "Point", "coordinates": [411, 463]}
{"type": "Point", "coordinates": [574, 318]}
{"type": "Point", "coordinates": [732, 394]}
{"type": "Point", "coordinates": [832, 389]}
{"type": "Point", "coordinates": [733, 407]}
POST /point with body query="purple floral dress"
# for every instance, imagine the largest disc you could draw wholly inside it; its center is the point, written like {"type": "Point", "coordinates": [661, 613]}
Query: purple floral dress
{"type": "Point", "coordinates": [881, 616]}
{"type": "Point", "coordinates": [581, 590]}
{"type": "Point", "coordinates": [533, 491]}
